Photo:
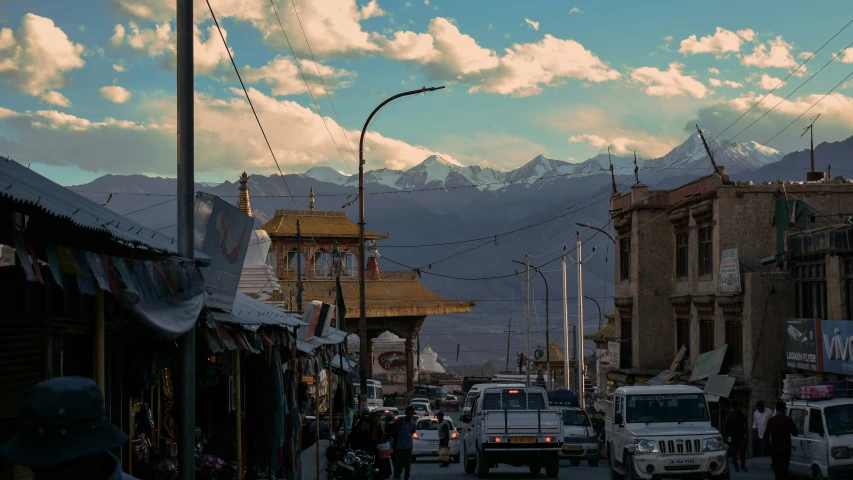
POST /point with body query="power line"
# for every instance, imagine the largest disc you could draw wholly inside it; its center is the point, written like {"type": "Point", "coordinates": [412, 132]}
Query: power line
{"type": "Point", "coordinates": [148, 207]}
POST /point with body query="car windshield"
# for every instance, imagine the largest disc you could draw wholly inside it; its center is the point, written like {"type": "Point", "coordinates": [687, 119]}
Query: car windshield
{"type": "Point", "coordinates": [438, 391]}
{"type": "Point", "coordinates": [839, 419]}
{"type": "Point", "coordinates": [469, 400]}
{"type": "Point", "coordinates": [666, 408]}
{"type": "Point", "coordinates": [575, 418]}
{"type": "Point", "coordinates": [432, 424]}
{"type": "Point", "coordinates": [419, 406]}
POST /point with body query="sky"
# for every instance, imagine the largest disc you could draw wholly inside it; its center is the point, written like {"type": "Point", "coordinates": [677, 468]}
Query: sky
{"type": "Point", "coordinates": [87, 88]}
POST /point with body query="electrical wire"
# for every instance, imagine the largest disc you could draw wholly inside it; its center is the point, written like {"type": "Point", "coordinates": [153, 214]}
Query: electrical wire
{"type": "Point", "coordinates": [148, 207]}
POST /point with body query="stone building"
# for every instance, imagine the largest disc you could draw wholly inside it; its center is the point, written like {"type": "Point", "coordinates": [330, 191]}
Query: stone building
{"type": "Point", "coordinates": [669, 293]}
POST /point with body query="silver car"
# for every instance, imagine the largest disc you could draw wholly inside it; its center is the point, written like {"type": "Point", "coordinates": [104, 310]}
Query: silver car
{"type": "Point", "coordinates": [425, 439]}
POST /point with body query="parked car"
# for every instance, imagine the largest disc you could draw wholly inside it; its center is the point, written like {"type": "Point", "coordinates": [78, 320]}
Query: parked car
{"type": "Point", "coordinates": [513, 426]}
{"type": "Point", "coordinates": [825, 427]}
{"type": "Point", "coordinates": [422, 409]}
{"type": "Point", "coordinates": [425, 439]}
{"type": "Point", "coordinates": [433, 393]}
{"type": "Point", "coordinates": [579, 436]}
{"type": "Point", "coordinates": [420, 400]}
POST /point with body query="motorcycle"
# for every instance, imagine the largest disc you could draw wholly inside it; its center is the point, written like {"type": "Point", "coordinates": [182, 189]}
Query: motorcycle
{"type": "Point", "coordinates": [345, 464]}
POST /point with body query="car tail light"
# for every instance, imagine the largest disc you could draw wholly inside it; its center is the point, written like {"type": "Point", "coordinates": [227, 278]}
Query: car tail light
{"type": "Point", "coordinates": [547, 439]}
{"type": "Point", "coordinates": [415, 436]}
{"type": "Point", "coordinates": [454, 435]}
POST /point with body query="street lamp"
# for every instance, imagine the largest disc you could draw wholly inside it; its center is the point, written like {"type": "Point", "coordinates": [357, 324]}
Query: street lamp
{"type": "Point", "coordinates": [547, 328]}
{"type": "Point", "coordinates": [586, 225]}
{"type": "Point", "coordinates": [599, 309]}
{"type": "Point", "coordinates": [362, 303]}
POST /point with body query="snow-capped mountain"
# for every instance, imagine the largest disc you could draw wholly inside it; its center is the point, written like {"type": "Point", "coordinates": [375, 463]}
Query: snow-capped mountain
{"type": "Point", "coordinates": [328, 175]}
{"type": "Point", "coordinates": [435, 170]}
{"type": "Point", "coordinates": [540, 168]}
{"type": "Point", "coordinates": [691, 156]}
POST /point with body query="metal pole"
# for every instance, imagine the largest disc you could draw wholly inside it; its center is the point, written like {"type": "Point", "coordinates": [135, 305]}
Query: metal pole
{"type": "Point", "coordinates": [418, 359]}
{"type": "Point", "coordinates": [299, 267]}
{"type": "Point", "coordinates": [362, 303]}
{"type": "Point", "coordinates": [508, 339]}
{"type": "Point", "coordinates": [527, 319]}
{"type": "Point", "coordinates": [186, 173]}
{"type": "Point", "coordinates": [566, 364]}
{"type": "Point", "coordinates": [811, 135]}
{"type": "Point", "coordinates": [238, 413]}
{"type": "Point", "coordinates": [599, 309]}
{"type": "Point", "coordinates": [547, 329]}
{"type": "Point", "coordinates": [580, 323]}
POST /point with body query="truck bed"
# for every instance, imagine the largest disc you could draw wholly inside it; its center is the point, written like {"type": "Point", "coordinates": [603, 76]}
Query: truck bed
{"type": "Point", "coordinates": [510, 422]}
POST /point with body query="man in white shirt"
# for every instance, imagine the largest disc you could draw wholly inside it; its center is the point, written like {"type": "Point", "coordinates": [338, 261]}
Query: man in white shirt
{"type": "Point", "coordinates": [759, 423]}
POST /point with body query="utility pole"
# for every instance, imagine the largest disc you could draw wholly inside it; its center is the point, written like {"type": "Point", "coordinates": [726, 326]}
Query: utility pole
{"type": "Point", "coordinates": [528, 267]}
{"type": "Point", "coordinates": [298, 267]}
{"type": "Point", "coordinates": [527, 319]}
{"type": "Point", "coordinates": [707, 149]}
{"type": "Point", "coordinates": [566, 364]}
{"type": "Point", "coordinates": [580, 261]}
{"type": "Point", "coordinates": [509, 333]}
{"type": "Point", "coordinates": [812, 176]}
{"type": "Point", "coordinates": [362, 286]}
{"type": "Point", "coordinates": [186, 186]}
{"type": "Point", "coordinates": [418, 359]}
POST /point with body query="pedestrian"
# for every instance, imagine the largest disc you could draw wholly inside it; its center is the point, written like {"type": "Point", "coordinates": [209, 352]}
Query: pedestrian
{"type": "Point", "coordinates": [759, 423]}
{"type": "Point", "coordinates": [777, 440]}
{"type": "Point", "coordinates": [404, 432]}
{"type": "Point", "coordinates": [443, 440]}
{"type": "Point", "coordinates": [735, 430]}
{"type": "Point", "coordinates": [63, 433]}
{"type": "Point", "coordinates": [391, 426]}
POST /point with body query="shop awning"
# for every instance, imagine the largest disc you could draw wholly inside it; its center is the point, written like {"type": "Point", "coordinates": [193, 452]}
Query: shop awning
{"type": "Point", "coordinates": [334, 337]}
{"type": "Point", "coordinates": [709, 363]}
{"type": "Point", "coordinates": [251, 314]}
{"type": "Point", "coordinates": [348, 364]}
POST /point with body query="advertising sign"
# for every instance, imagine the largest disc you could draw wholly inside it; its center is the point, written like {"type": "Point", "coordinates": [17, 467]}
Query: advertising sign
{"type": "Point", "coordinates": [613, 353]}
{"type": "Point", "coordinates": [837, 343]}
{"type": "Point", "coordinates": [729, 280]}
{"type": "Point", "coordinates": [223, 233]}
{"type": "Point", "coordinates": [802, 344]}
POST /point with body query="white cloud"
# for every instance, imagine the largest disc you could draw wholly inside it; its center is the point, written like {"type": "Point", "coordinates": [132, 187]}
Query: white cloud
{"type": "Point", "coordinates": [715, 82]}
{"type": "Point", "coordinates": [645, 145]}
{"type": "Point", "coordinates": [778, 55]}
{"type": "Point", "coordinates": [412, 46]}
{"type": "Point", "coordinates": [668, 83]}
{"type": "Point", "coordinates": [575, 10]}
{"type": "Point", "coordinates": [668, 38]}
{"type": "Point", "coordinates": [491, 27]}
{"type": "Point", "coordinates": [208, 54]}
{"type": "Point", "coordinates": [227, 138]}
{"type": "Point", "coordinates": [804, 55]}
{"type": "Point", "coordinates": [35, 59]}
{"type": "Point", "coordinates": [848, 84]}
{"type": "Point", "coordinates": [533, 25]}
{"type": "Point", "coordinates": [115, 94]}
{"type": "Point", "coordinates": [54, 98]}
{"type": "Point", "coordinates": [371, 10]}
{"type": "Point", "coordinates": [6, 113]}
{"type": "Point", "coordinates": [715, 71]}
{"type": "Point", "coordinates": [766, 82]}
{"type": "Point", "coordinates": [721, 42]}
{"type": "Point", "coordinates": [846, 56]}
{"type": "Point", "coordinates": [283, 75]}
{"type": "Point", "coordinates": [747, 34]}
{"type": "Point", "coordinates": [118, 67]}
{"type": "Point", "coordinates": [526, 68]}
{"type": "Point", "coordinates": [426, 2]}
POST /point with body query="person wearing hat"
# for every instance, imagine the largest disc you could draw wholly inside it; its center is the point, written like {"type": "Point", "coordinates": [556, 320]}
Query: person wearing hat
{"type": "Point", "coordinates": [63, 433]}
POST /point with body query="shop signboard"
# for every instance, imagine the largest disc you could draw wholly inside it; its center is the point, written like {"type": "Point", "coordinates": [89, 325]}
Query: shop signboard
{"type": "Point", "coordinates": [837, 342]}
{"type": "Point", "coordinates": [802, 344]}
{"type": "Point", "coordinates": [222, 232]}
{"type": "Point", "coordinates": [613, 354]}
{"type": "Point", "coordinates": [729, 280]}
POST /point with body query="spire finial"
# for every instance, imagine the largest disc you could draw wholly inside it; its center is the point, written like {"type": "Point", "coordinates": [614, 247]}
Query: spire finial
{"type": "Point", "coordinates": [244, 204]}
{"type": "Point", "coordinates": [311, 199]}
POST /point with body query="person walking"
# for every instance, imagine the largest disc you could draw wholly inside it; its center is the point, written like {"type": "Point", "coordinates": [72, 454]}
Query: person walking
{"type": "Point", "coordinates": [64, 434]}
{"type": "Point", "coordinates": [759, 425]}
{"type": "Point", "coordinates": [404, 431]}
{"type": "Point", "coordinates": [735, 430]}
{"type": "Point", "coordinates": [443, 440]}
{"type": "Point", "coordinates": [777, 440]}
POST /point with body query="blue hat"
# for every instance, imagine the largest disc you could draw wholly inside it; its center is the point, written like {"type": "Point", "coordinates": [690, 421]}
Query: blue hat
{"type": "Point", "coordinates": [61, 419]}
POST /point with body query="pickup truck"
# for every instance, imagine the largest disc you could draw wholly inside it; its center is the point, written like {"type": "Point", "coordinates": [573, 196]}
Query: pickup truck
{"type": "Point", "coordinates": [662, 432]}
{"type": "Point", "coordinates": [513, 426]}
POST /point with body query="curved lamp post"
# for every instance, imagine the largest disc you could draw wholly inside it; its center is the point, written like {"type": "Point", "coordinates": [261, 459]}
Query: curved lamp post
{"type": "Point", "coordinates": [362, 304]}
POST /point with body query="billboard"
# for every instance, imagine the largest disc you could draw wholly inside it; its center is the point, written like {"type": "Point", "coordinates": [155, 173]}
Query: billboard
{"type": "Point", "coordinates": [836, 340]}
{"type": "Point", "coordinates": [802, 344]}
{"type": "Point", "coordinates": [223, 233]}
{"type": "Point", "coordinates": [729, 280]}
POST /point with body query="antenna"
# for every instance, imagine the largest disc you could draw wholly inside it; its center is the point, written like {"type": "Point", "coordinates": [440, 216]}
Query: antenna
{"type": "Point", "coordinates": [812, 176]}
{"type": "Point", "coordinates": [636, 169]}
{"type": "Point", "coordinates": [708, 150]}
{"type": "Point", "coordinates": [612, 177]}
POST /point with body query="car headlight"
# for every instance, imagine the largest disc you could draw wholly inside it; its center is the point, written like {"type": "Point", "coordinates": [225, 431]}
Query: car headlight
{"type": "Point", "coordinates": [839, 453]}
{"type": "Point", "coordinates": [714, 444]}
{"type": "Point", "coordinates": [645, 446]}
{"type": "Point", "coordinates": [350, 458]}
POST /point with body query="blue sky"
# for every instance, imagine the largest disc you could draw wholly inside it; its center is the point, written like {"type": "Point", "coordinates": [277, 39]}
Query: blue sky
{"type": "Point", "coordinates": [87, 88]}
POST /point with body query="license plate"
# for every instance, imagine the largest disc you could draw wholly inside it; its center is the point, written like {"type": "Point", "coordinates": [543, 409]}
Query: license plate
{"type": "Point", "coordinates": [522, 440]}
{"type": "Point", "coordinates": [572, 448]}
{"type": "Point", "coordinates": [433, 443]}
{"type": "Point", "coordinates": [683, 461]}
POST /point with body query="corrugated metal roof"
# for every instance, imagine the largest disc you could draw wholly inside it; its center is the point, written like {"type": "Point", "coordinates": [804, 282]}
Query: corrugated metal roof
{"type": "Point", "coordinates": [318, 223]}
{"type": "Point", "coordinates": [21, 185]}
{"type": "Point", "coordinates": [250, 313]}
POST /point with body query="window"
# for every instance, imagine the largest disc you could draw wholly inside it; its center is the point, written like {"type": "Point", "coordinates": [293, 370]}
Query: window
{"type": "Point", "coordinates": [681, 255]}
{"type": "Point", "coordinates": [625, 259]}
{"type": "Point", "coordinates": [682, 335]}
{"type": "Point", "coordinates": [810, 289]}
{"type": "Point", "coordinates": [734, 339]}
{"type": "Point", "coordinates": [706, 252]}
{"type": "Point", "coordinates": [798, 415]}
{"type": "Point", "coordinates": [626, 354]}
{"type": "Point", "coordinates": [706, 335]}
{"type": "Point", "coordinates": [322, 263]}
{"type": "Point", "coordinates": [815, 422]}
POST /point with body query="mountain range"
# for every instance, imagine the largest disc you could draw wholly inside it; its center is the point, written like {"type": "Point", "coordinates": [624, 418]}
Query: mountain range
{"type": "Point", "coordinates": [437, 207]}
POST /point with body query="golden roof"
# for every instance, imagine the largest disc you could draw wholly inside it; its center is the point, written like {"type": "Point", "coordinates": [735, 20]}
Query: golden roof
{"type": "Point", "coordinates": [556, 355]}
{"type": "Point", "coordinates": [607, 333]}
{"type": "Point", "coordinates": [316, 223]}
{"type": "Point", "coordinates": [384, 298]}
